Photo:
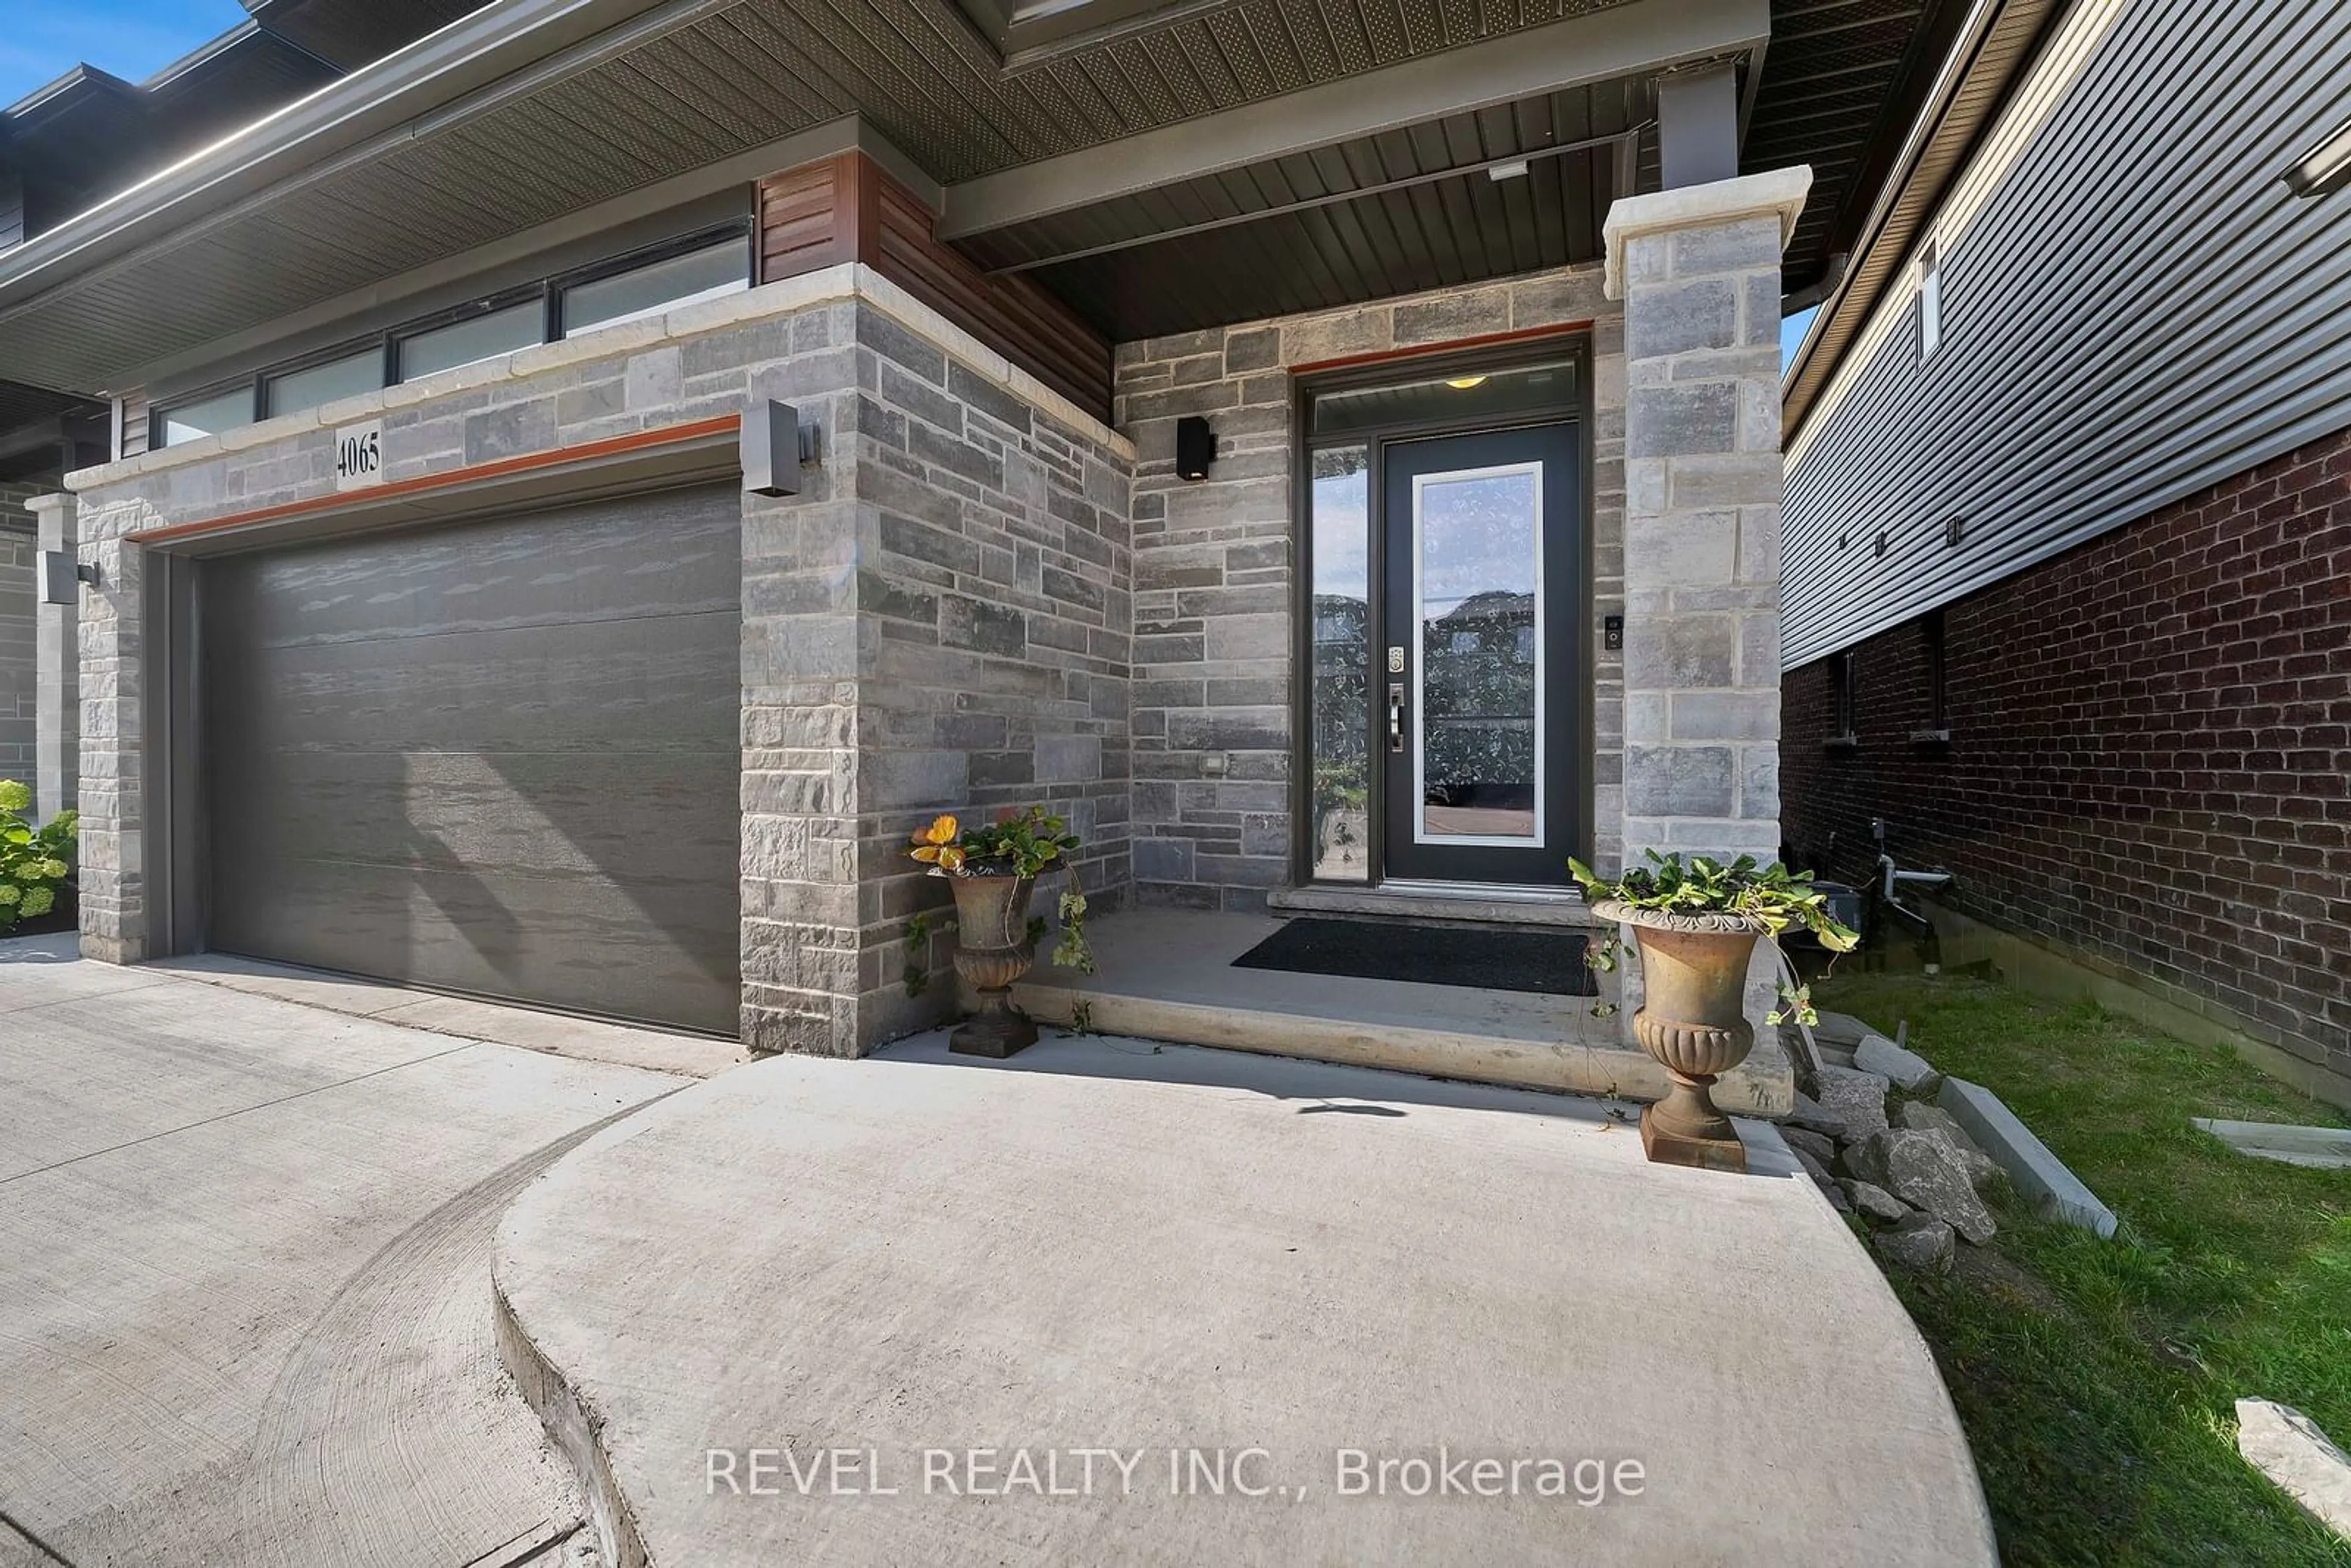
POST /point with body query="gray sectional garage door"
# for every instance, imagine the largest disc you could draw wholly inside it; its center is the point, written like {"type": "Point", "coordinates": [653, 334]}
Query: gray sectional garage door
{"type": "Point", "coordinates": [498, 758]}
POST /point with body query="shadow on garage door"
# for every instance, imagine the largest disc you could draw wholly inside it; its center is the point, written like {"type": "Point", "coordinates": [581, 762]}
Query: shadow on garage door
{"type": "Point", "coordinates": [498, 757]}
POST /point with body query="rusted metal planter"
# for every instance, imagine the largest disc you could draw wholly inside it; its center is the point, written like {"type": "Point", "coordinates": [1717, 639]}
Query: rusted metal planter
{"type": "Point", "coordinates": [992, 952]}
{"type": "Point", "coordinates": [1694, 1022]}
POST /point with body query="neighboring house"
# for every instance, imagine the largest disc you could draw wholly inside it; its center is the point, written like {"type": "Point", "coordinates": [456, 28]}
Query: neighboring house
{"type": "Point", "coordinates": [64, 148]}
{"type": "Point", "coordinates": [2068, 535]}
{"type": "Point", "coordinates": [462, 615]}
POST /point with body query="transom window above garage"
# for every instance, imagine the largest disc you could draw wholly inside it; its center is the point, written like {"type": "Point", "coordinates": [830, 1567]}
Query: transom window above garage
{"type": "Point", "coordinates": [628, 288]}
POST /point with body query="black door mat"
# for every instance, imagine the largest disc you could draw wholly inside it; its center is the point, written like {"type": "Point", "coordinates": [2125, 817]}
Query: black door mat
{"type": "Point", "coordinates": [1542, 961]}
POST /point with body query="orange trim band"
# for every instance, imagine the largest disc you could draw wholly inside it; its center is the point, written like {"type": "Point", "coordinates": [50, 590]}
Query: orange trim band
{"type": "Point", "coordinates": [1420, 351]}
{"type": "Point", "coordinates": [667, 435]}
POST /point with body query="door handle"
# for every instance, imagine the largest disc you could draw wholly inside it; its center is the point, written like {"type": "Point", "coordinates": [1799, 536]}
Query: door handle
{"type": "Point", "coordinates": [1395, 716]}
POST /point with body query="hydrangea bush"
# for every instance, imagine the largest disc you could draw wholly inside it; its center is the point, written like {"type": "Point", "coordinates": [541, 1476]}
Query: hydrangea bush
{"type": "Point", "coordinates": [34, 860]}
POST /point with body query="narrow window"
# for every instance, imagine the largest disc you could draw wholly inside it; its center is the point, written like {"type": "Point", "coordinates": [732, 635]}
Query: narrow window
{"type": "Point", "coordinates": [648, 291]}
{"type": "Point", "coordinates": [1931, 302]}
{"type": "Point", "coordinates": [1938, 705]}
{"type": "Point", "coordinates": [1841, 677]}
{"type": "Point", "coordinates": [204, 417]}
{"type": "Point", "coordinates": [329, 382]}
{"type": "Point", "coordinates": [472, 339]}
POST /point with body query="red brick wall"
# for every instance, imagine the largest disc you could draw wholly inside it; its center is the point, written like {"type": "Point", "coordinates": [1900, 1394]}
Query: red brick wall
{"type": "Point", "coordinates": [2150, 738]}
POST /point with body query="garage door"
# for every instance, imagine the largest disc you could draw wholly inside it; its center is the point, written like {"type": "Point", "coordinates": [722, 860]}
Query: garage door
{"type": "Point", "coordinates": [498, 758]}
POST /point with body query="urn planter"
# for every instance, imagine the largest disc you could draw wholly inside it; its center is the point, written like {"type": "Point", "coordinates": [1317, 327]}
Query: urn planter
{"type": "Point", "coordinates": [992, 952]}
{"type": "Point", "coordinates": [1693, 1021]}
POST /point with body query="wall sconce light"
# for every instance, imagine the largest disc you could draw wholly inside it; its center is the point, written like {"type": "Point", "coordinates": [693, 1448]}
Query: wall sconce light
{"type": "Point", "coordinates": [2325, 168]}
{"type": "Point", "coordinates": [62, 577]}
{"type": "Point", "coordinates": [1195, 447]}
{"type": "Point", "coordinates": [775, 445]}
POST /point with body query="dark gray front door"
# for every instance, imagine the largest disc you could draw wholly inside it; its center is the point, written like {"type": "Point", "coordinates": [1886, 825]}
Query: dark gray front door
{"type": "Point", "coordinates": [498, 758]}
{"type": "Point", "coordinates": [1478, 671]}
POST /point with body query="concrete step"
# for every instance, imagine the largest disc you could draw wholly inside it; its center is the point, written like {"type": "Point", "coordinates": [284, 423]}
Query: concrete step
{"type": "Point", "coordinates": [1426, 902]}
{"type": "Point", "coordinates": [1168, 974]}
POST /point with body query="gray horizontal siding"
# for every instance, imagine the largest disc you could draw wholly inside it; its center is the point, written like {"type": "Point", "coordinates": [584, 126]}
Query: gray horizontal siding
{"type": "Point", "coordinates": [2139, 310]}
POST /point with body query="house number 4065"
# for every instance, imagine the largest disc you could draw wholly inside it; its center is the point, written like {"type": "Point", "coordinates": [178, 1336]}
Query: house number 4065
{"type": "Point", "coordinates": [358, 455]}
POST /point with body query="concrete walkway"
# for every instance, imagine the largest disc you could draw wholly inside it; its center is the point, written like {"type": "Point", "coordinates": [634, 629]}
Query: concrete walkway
{"type": "Point", "coordinates": [1396, 1320]}
{"type": "Point", "coordinates": [244, 1278]}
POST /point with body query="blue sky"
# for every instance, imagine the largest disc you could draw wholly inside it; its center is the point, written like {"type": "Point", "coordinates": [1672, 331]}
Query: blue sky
{"type": "Point", "coordinates": [132, 38]}
{"type": "Point", "coordinates": [1791, 333]}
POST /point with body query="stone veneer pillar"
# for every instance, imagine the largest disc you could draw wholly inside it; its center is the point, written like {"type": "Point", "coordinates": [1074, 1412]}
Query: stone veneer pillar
{"type": "Point", "coordinates": [1697, 269]}
{"type": "Point", "coordinates": [57, 672]}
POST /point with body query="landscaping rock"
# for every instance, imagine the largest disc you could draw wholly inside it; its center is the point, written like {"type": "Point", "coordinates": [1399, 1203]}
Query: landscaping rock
{"type": "Point", "coordinates": [1923, 1118]}
{"type": "Point", "coordinates": [1920, 1242]}
{"type": "Point", "coordinates": [1905, 1069]}
{"type": "Point", "coordinates": [1873, 1201]}
{"type": "Point", "coordinates": [1840, 1028]}
{"type": "Point", "coordinates": [1851, 1104]}
{"type": "Point", "coordinates": [1921, 1168]}
{"type": "Point", "coordinates": [1835, 1193]}
{"type": "Point", "coordinates": [1814, 1143]}
{"type": "Point", "coordinates": [2286, 1445]}
{"type": "Point", "coordinates": [1814, 1169]}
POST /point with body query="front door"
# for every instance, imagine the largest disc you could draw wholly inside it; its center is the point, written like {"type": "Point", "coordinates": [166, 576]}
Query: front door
{"type": "Point", "coordinates": [1480, 673]}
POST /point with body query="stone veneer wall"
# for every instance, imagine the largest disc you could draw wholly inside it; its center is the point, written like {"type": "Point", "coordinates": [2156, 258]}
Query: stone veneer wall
{"type": "Point", "coordinates": [995, 610]}
{"type": "Point", "coordinates": [1214, 590]}
{"type": "Point", "coordinates": [939, 614]}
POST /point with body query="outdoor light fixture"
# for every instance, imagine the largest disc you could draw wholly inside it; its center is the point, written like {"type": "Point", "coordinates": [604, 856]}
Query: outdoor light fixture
{"type": "Point", "coordinates": [1514, 169]}
{"type": "Point", "coordinates": [2325, 168]}
{"type": "Point", "coordinates": [1463, 383]}
{"type": "Point", "coordinates": [62, 577]}
{"type": "Point", "coordinates": [1195, 447]}
{"type": "Point", "coordinates": [775, 445]}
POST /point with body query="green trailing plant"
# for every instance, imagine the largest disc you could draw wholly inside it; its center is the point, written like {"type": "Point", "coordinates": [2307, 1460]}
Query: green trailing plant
{"type": "Point", "coordinates": [35, 862]}
{"type": "Point", "coordinates": [1018, 843]}
{"type": "Point", "coordinates": [1771, 899]}
{"type": "Point", "coordinates": [918, 952]}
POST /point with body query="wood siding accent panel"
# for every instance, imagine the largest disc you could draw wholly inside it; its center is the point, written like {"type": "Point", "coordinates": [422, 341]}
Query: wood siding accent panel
{"type": "Point", "coordinates": [135, 422]}
{"type": "Point", "coordinates": [847, 208]}
{"type": "Point", "coordinates": [799, 220]}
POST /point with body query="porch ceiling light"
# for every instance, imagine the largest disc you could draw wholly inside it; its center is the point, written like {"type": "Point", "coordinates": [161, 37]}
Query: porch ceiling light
{"type": "Point", "coordinates": [1515, 169]}
{"type": "Point", "coordinates": [1463, 383]}
{"type": "Point", "coordinates": [2325, 168]}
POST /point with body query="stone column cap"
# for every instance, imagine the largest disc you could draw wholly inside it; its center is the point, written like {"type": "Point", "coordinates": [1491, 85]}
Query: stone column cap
{"type": "Point", "coordinates": [1780, 191]}
{"type": "Point", "coordinates": [54, 502]}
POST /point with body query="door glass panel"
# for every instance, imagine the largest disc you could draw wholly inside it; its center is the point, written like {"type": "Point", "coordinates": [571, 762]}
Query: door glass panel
{"type": "Point", "coordinates": [1340, 706]}
{"type": "Point", "coordinates": [1479, 592]}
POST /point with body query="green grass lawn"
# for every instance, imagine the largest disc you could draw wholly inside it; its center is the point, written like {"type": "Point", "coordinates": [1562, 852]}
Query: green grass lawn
{"type": "Point", "coordinates": [2097, 1380]}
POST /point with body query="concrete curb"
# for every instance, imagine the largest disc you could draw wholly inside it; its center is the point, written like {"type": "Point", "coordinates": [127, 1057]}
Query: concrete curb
{"type": "Point", "coordinates": [2040, 1175]}
{"type": "Point", "coordinates": [575, 1431]}
{"type": "Point", "coordinates": [2321, 1148]}
{"type": "Point", "coordinates": [1761, 1086]}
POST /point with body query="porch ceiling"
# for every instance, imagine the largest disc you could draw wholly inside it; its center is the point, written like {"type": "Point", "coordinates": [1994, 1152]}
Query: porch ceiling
{"type": "Point", "coordinates": [1408, 209]}
{"type": "Point", "coordinates": [477, 154]}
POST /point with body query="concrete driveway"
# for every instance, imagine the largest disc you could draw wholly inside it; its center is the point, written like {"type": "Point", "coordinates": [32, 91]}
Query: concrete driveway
{"type": "Point", "coordinates": [243, 1277]}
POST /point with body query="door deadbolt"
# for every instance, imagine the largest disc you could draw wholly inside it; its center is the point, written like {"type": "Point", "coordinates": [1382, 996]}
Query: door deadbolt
{"type": "Point", "coordinates": [1396, 661]}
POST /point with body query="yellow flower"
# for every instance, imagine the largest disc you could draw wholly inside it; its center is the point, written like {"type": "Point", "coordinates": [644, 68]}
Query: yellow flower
{"type": "Point", "coordinates": [936, 845]}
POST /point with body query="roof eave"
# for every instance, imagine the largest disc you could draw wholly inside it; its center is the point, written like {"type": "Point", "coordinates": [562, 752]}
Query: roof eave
{"type": "Point", "coordinates": [1884, 238]}
{"type": "Point", "coordinates": [379, 100]}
